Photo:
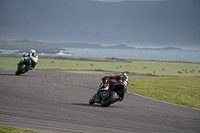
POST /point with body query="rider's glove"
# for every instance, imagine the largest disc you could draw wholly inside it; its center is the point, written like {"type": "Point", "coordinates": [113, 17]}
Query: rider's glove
{"type": "Point", "coordinates": [105, 80]}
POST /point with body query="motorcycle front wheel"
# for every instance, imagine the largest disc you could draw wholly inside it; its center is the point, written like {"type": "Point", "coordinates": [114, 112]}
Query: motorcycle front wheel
{"type": "Point", "coordinates": [110, 100]}
{"type": "Point", "coordinates": [20, 69]}
{"type": "Point", "coordinates": [91, 101]}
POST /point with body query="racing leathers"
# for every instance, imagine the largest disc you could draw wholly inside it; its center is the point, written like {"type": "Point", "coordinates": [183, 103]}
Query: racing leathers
{"type": "Point", "coordinates": [34, 59]}
{"type": "Point", "coordinates": [119, 80]}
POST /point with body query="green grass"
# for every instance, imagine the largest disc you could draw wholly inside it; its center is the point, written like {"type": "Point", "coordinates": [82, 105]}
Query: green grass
{"type": "Point", "coordinates": [112, 66]}
{"type": "Point", "coordinates": [153, 68]}
{"type": "Point", "coordinates": [7, 129]}
{"type": "Point", "coordinates": [179, 90]}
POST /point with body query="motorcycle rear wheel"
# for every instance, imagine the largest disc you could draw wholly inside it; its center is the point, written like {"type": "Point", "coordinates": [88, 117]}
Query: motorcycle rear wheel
{"type": "Point", "coordinates": [110, 100]}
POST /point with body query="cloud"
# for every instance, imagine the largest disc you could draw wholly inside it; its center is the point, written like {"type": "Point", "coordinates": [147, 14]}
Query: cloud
{"type": "Point", "coordinates": [125, 0]}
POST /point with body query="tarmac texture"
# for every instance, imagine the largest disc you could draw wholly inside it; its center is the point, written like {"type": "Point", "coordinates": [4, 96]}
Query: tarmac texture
{"type": "Point", "coordinates": [58, 102]}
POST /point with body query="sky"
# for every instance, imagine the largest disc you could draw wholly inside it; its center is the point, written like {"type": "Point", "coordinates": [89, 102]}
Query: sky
{"type": "Point", "coordinates": [126, 0]}
{"type": "Point", "coordinates": [134, 22]}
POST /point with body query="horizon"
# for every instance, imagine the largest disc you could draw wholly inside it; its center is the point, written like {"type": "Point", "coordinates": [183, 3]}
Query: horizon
{"type": "Point", "coordinates": [104, 45]}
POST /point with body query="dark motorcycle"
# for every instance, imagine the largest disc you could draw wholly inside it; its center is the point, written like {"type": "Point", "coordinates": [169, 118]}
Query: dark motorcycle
{"type": "Point", "coordinates": [106, 96]}
{"type": "Point", "coordinates": [23, 66]}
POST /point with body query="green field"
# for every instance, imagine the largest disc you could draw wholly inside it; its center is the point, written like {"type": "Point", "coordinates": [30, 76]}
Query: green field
{"type": "Point", "coordinates": [107, 66]}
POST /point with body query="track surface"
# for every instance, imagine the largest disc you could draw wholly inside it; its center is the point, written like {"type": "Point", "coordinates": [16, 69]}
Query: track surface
{"type": "Point", "coordinates": [58, 102]}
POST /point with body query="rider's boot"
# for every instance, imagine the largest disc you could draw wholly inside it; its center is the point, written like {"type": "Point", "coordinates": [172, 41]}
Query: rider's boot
{"type": "Point", "coordinates": [31, 68]}
{"type": "Point", "coordinates": [119, 99]}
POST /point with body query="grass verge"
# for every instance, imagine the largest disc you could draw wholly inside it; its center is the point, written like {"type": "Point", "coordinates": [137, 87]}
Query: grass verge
{"type": "Point", "coordinates": [7, 129]}
{"type": "Point", "coordinates": [179, 90]}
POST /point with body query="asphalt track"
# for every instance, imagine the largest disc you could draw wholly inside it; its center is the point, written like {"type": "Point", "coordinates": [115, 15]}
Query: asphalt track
{"type": "Point", "coordinates": [58, 102]}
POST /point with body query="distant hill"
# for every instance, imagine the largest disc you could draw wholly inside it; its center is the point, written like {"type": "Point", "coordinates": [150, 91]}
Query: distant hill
{"type": "Point", "coordinates": [26, 45]}
{"type": "Point", "coordinates": [44, 47]}
{"type": "Point", "coordinates": [74, 45]}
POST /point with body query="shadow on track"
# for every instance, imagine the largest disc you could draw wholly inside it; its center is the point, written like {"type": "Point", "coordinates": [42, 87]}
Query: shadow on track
{"type": "Point", "coordinates": [88, 105]}
{"type": "Point", "coordinates": [13, 74]}
{"type": "Point", "coordinates": [8, 74]}
{"type": "Point", "coordinates": [84, 104]}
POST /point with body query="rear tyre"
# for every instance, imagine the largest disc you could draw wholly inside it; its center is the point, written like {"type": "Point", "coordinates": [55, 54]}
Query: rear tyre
{"type": "Point", "coordinates": [110, 100]}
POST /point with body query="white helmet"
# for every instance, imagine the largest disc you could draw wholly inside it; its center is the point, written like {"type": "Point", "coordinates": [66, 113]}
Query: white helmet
{"type": "Point", "coordinates": [33, 51]}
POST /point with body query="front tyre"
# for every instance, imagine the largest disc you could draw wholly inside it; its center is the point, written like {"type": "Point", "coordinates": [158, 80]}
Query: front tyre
{"type": "Point", "coordinates": [20, 69]}
{"type": "Point", "coordinates": [91, 101]}
{"type": "Point", "coordinates": [110, 100]}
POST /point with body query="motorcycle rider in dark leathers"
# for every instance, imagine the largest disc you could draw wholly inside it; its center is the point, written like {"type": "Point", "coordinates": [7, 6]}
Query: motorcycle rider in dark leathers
{"type": "Point", "coordinates": [122, 78]}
